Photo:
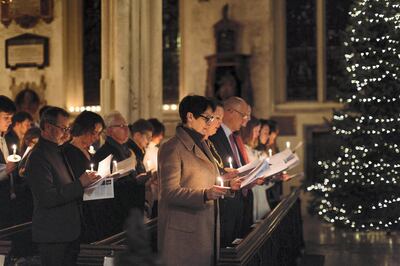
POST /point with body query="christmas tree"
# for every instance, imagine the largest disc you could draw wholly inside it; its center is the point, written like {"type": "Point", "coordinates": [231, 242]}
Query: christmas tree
{"type": "Point", "coordinates": [360, 188]}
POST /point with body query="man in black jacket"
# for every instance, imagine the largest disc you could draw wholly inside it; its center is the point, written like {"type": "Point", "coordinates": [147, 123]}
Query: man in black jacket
{"type": "Point", "coordinates": [236, 114]}
{"type": "Point", "coordinates": [56, 222]}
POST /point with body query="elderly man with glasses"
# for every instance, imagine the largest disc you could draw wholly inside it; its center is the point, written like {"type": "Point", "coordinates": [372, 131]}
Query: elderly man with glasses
{"type": "Point", "coordinates": [125, 188]}
{"type": "Point", "coordinates": [57, 193]}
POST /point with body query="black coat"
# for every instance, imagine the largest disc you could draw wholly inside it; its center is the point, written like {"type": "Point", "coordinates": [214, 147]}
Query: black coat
{"type": "Point", "coordinates": [231, 209]}
{"type": "Point", "coordinates": [56, 195]}
{"type": "Point", "coordinates": [129, 192]}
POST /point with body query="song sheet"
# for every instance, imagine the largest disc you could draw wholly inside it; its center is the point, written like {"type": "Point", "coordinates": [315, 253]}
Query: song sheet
{"type": "Point", "coordinates": [103, 191]}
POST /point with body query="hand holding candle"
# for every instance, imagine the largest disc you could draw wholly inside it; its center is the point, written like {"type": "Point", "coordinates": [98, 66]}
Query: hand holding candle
{"type": "Point", "coordinates": [14, 157]}
{"type": "Point", "coordinates": [92, 150]}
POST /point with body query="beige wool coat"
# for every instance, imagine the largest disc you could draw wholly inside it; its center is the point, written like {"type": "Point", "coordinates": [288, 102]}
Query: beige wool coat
{"type": "Point", "coordinates": [186, 224]}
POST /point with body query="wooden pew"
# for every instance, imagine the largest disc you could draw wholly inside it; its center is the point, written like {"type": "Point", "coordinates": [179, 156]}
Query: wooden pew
{"type": "Point", "coordinates": [275, 241]}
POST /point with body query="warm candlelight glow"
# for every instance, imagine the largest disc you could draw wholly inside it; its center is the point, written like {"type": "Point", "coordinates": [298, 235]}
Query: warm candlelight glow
{"type": "Point", "coordinates": [14, 147]}
{"type": "Point", "coordinates": [115, 166]}
{"type": "Point", "coordinates": [92, 150]}
{"type": "Point", "coordinates": [230, 162]}
{"type": "Point", "coordinates": [270, 152]}
{"type": "Point", "coordinates": [148, 165]}
{"type": "Point", "coordinates": [92, 167]}
{"type": "Point", "coordinates": [221, 181]}
{"type": "Point", "coordinates": [287, 144]}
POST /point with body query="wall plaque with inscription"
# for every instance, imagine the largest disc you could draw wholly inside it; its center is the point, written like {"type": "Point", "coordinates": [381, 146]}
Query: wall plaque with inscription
{"type": "Point", "coordinates": [27, 50]}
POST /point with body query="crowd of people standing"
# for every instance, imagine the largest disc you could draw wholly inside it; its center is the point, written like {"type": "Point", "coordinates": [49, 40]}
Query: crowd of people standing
{"type": "Point", "coordinates": [177, 181]}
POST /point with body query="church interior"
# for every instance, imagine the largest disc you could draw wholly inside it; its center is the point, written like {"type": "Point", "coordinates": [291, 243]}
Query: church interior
{"type": "Point", "coordinates": [294, 62]}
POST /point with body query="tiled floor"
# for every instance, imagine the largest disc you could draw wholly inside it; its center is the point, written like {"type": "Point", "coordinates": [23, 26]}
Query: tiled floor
{"type": "Point", "coordinates": [347, 248]}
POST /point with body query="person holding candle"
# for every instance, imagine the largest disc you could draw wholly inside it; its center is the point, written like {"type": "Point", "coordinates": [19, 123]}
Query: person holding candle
{"type": "Point", "coordinates": [86, 130]}
{"type": "Point", "coordinates": [21, 123]}
{"type": "Point", "coordinates": [7, 109]}
{"type": "Point", "coordinates": [57, 192]}
{"type": "Point", "coordinates": [187, 222]}
{"type": "Point", "coordinates": [141, 134]}
{"type": "Point", "coordinates": [236, 114]}
{"type": "Point", "coordinates": [125, 196]}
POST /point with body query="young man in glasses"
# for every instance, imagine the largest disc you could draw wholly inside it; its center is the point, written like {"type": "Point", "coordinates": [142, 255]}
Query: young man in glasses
{"type": "Point", "coordinates": [57, 193]}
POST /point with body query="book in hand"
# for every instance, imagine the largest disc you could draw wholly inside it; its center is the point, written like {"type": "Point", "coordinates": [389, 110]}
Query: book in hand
{"type": "Point", "coordinates": [263, 167]}
{"type": "Point", "coordinates": [124, 168]}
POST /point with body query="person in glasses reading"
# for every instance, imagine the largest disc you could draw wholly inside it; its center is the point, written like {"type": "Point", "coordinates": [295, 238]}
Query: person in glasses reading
{"type": "Point", "coordinates": [57, 192]}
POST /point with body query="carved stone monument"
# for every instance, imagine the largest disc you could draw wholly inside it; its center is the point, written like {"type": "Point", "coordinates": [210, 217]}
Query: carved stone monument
{"type": "Point", "coordinates": [228, 71]}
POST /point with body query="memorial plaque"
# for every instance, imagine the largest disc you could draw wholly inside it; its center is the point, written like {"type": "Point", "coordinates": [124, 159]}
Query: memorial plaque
{"type": "Point", "coordinates": [27, 50]}
{"type": "Point", "coordinates": [26, 13]}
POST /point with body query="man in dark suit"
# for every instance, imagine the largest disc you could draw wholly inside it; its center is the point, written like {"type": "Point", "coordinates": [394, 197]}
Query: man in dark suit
{"type": "Point", "coordinates": [125, 188]}
{"type": "Point", "coordinates": [236, 115]}
{"type": "Point", "coordinates": [56, 222]}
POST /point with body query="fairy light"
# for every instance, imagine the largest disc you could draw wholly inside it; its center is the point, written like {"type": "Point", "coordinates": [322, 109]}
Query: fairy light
{"type": "Point", "coordinates": [369, 159]}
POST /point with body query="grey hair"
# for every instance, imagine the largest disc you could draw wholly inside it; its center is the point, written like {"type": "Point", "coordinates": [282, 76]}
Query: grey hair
{"type": "Point", "coordinates": [111, 117]}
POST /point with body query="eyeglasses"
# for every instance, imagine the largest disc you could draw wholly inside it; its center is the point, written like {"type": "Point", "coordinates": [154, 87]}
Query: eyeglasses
{"type": "Point", "coordinates": [244, 116]}
{"type": "Point", "coordinates": [120, 126]}
{"type": "Point", "coordinates": [63, 129]}
{"type": "Point", "coordinates": [208, 119]}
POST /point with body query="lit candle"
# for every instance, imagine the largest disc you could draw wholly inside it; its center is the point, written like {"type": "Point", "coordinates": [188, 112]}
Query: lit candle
{"type": "Point", "coordinates": [270, 152]}
{"type": "Point", "coordinates": [92, 167]}
{"type": "Point", "coordinates": [148, 165]}
{"type": "Point", "coordinates": [14, 147]}
{"type": "Point", "coordinates": [115, 166]}
{"type": "Point", "coordinates": [230, 162]}
{"type": "Point", "coordinates": [287, 144]}
{"type": "Point", "coordinates": [92, 150]}
{"type": "Point", "coordinates": [221, 181]}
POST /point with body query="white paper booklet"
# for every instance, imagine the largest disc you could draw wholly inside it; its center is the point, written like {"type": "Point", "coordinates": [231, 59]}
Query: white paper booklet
{"type": "Point", "coordinates": [257, 172]}
{"type": "Point", "coordinates": [124, 167]}
{"type": "Point", "coordinates": [105, 190]}
{"type": "Point", "coordinates": [103, 171]}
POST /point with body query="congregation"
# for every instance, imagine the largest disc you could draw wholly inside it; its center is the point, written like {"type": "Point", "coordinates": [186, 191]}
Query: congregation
{"type": "Point", "coordinates": [175, 180]}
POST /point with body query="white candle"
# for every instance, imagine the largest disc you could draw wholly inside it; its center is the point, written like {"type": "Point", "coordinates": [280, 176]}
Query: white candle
{"type": "Point", "coordinates": [148, 165]}
{"type": "Point", "coordinates": [92, 167]}
{"type": "Point", "coordinates": [221, 181]}
{"type": "Point", "coordinates": [270, 152]}
{"type": "Point", "coordinates": [115, 166]}
{"type": "Point", "coordinates": [230, 162]}
{"type": "Point", "coordinates": [14, 147]}
{"type": "Point", "coordinates": [92, 150]}
{"type": "Point", "coordinates": [287, 144]}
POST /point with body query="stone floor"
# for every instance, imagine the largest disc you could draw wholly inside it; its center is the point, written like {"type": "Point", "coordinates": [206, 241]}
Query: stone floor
{"type": "Point", "coordinates": [347, 248]}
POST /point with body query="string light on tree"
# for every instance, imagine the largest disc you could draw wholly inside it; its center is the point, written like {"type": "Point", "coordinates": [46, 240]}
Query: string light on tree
{"type": "Point", "coordinates": [360, 188]}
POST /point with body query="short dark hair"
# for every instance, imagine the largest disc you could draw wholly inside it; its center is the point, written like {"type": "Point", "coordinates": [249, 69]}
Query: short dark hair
{"type": "Point", "coordinates": [50, 116]}
{"type": "Point", "coordinates": [86, 122]}
{"type": "Point", "coordinates": [20, 98]}
{"type": "Point", "coordinates": [194, 104]}
{"type": "Point", "coordinates": [141, 126]}
{"type": "Point", "coordinates": [43, 109]}
{"type": "Point", "coordinates": [20, 117]}
{"type": "Point", "coordinates": [216, 103]}
{"type": "Point", "coordinates": [273, 125]}
{"type": "Point", "coordinates": [32, 133]}
{"type": "Point", "coordinates": [158, 127]}
{"type": "Point", "coordinates": [7, 105]}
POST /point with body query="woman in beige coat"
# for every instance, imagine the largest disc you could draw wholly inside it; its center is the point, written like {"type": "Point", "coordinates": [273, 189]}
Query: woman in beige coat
{"type": "Point", "coordinates": [187, 226]}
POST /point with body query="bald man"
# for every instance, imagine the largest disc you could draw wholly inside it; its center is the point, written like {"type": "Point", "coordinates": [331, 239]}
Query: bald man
{"type": "Point", "coordinates": [236, 115]}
